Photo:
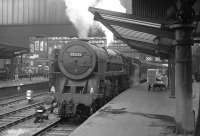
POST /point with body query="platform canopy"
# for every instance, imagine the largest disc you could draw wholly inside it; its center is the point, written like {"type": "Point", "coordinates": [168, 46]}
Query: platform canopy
{"type": "Point", "coordinates": [146, 35]}
{"type": "Point", "coordinates": [7, 51]}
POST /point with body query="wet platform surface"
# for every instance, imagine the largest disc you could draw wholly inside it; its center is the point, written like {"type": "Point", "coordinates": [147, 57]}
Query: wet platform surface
{"type": "Point", "coordinates": [135, 112]}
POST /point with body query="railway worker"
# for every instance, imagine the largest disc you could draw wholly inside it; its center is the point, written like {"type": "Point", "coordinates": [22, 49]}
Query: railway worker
{"type": "Point", "coordinates": [18, 89]}
{"type": "Point", "coordinates": [53, 101]}
{"type": "Point", "coordinates": [29, 95]}
{"type": "Point", "coordinates": [53, 105]}
{"type": "Point", "coordinates": [39, 117]}
{"type": "Point", "coordinates": [53, 90]}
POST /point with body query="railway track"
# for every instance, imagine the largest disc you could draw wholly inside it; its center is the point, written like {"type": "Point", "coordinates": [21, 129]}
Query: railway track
{"type": "Point", "coordinates": [11, 118]}
{"type": "Point", "coordinates": [17, 99]}
{"type": "Point", "coordinates": [51, 127]}
{"type": "Point", "coordinates": [18, 95]}
{"type": "Point", "coordinates": [7, 98]}
{"type": "Point", "coordinates": [57, 128]}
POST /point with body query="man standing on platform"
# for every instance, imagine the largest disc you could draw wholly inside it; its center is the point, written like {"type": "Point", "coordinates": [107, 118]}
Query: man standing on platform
{"type": "Point", "coordinates": [30, 73]}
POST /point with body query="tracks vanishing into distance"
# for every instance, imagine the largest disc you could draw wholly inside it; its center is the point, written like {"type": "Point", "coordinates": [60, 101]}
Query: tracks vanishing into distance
{"type": "Point", "coordinates": [16, 116]}
{"type": "Point", "coordinates": [57, 128]}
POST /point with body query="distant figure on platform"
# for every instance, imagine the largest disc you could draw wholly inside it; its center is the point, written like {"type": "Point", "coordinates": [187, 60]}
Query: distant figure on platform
{"type": "Point", "coordinates": [30, 74]}
{"type": "Point", "coordinates": [16, 77]}
{"type": "Point", "coordinates": [149, 87]}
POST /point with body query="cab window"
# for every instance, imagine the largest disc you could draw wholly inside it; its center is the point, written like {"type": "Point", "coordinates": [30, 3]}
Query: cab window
{"type": "Point", "coordinates": [66, 89]}
{"type": "Point", "coordinates": [81, 90]}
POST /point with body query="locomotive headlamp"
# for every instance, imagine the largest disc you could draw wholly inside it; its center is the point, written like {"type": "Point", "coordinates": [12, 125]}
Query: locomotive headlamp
{"type": "Point", "coordinates": [53, 90]}
{"type": "Point", "coordinates": [91, 90]}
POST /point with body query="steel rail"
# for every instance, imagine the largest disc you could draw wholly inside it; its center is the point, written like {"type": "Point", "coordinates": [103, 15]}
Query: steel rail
{"type": "Point", "coordinates": [20, 99]}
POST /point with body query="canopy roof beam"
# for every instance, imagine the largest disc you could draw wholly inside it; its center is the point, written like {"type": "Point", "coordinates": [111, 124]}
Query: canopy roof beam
{"type": "Point", "coordinates": [144, 47]}
{"type": "Point", "coordinates": [132, 22]}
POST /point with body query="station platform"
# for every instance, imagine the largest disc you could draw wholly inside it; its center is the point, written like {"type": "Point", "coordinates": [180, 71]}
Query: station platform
{"type": "Point", "coordinates": [134, 112]}
{"type": "Point", "coordinates": [24, 81]}
{"type": "Point", "coordinates": [10, 88]}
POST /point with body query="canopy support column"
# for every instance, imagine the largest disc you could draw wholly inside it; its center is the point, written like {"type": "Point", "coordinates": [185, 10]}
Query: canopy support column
{"type": "Point", "coordinates": [183, 78]}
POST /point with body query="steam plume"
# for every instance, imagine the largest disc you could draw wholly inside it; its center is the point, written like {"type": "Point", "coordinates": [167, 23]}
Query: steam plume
{"type": "Point", "coordinates": [77, 11]}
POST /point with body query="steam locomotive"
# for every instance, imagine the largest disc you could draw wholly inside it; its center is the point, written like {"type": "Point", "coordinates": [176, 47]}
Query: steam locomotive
{"type": "Point", "coordinates": [86, 76]}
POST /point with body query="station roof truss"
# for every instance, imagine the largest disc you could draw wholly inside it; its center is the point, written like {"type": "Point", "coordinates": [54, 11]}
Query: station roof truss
{"type": "Point", "coordinates": [8, 51]}
{"type": "Point", "coordinates": [139, 33]}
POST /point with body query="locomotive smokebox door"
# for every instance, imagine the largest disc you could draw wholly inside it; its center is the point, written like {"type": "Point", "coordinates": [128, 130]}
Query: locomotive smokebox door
{"type": "Point", "coordinates": [81, 60]}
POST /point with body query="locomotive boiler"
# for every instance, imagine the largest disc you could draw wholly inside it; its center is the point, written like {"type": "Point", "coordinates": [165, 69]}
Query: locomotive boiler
{"type": "Point", "coordinates": [86, 76]}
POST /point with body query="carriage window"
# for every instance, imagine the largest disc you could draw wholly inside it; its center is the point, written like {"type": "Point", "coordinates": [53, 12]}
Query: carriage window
{"type": "Point", "coordinates": [79, 89]}
{"type": "Point", "coordinates": [66, 89]}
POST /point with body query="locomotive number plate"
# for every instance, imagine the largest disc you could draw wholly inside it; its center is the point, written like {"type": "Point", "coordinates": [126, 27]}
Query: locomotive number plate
{"type": "Point", "coordinates": [75, 54]}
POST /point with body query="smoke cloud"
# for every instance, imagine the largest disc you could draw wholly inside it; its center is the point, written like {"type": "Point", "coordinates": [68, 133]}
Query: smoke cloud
{"type": "Point", "coordinates": [83, 20]}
